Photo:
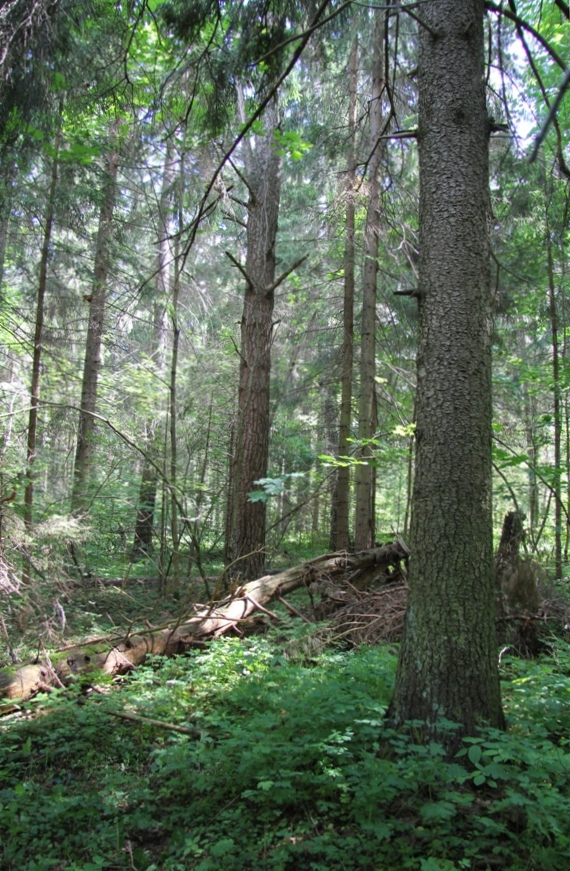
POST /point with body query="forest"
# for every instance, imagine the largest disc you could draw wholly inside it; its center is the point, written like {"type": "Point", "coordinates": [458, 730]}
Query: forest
{"type": "Point", "coordinates": [284, 435]}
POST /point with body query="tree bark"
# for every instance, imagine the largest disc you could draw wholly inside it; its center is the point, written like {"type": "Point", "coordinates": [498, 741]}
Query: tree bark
{"type": "Point", "coordinates": [92, 362]}
{"type": "Point", "coordinates": [251, 449]}
{"type": "Point", "coordinates": [448, 667]}
{"type": "Point", "coordinates": [341, 498]}
{"type": "Point", "coordinates": [37, 355]}
{"type": "Point", "coordinates": [364, 473]}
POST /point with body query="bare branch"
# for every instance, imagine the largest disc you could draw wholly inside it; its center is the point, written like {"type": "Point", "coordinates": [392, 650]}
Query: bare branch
{"type": "Point", "coordinates": [520, 22]}
{"type": "Point", "coordinates": [239, 266]}
{"type": "Point", "coordinates": [551, 116]}
{"type": "Point", "coordinates": [317, 22]}
{"type": "Point", "coordinates": [284, 275]}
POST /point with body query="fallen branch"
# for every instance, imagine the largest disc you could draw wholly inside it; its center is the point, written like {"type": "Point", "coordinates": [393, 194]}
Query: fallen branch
{"type": "Point", "coordinates": [160, 724]}
{"type": "Point", "coordinates": [210, 621]}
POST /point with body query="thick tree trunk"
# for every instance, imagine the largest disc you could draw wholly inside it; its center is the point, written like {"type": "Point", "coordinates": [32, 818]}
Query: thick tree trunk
{"type": "Point", "coordinates": [341, 499]}
{"type": "Point", "coordinates": [364, 473]}
{"type": "Point", "coordinates": [448, 666]}
{"type": "Point", "coordinates": [251, 448]}
{"type": "Point", "coordinates": [92, 362]}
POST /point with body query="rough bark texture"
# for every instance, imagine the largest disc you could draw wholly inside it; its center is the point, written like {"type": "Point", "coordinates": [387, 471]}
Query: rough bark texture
{"type": "Point", "coordinates": [208, 622]}
{"type": "Point", "coordinates": [364, 474]}
{"type": "Point", "coordinates": [252, 436]}
{"type": "Point", "coordinates": [92, 362]}
{"type": "Point", "coordinates": [448, 664]}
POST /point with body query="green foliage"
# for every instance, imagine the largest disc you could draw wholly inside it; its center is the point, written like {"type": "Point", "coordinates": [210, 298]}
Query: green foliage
{"type": "Point", "coordinates": [272, 486]}
{"type": "Point", "coordinates": [294, 767]}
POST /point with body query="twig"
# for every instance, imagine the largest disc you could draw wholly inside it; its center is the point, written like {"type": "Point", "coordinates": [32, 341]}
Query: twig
{"type": "Point", "coordinates": [269, 290]}
{"type": "Point", "coordinates": [551, 115]}
{"type": "Point", "coordinates": [293, 610]}
{"type": "Point", "coordinates": [160, 724]}
{"type": "Point", "coordinates": [520, 22]}
{"type": "Point", "coordinates": [239, 266]}
{"type": "Point", "coordinates": [420, 21]}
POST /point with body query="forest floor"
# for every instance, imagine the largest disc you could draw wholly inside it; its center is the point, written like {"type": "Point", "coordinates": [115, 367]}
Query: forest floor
{"type": "Point", "coordinates": [271, 752]}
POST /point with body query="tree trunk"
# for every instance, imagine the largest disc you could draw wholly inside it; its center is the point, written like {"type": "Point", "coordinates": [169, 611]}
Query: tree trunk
{"type": "Point", "coordinates": [363, 476]}
{"type": "Point", "coordinates": [174, 580]}
{"type": "Point", "coordinates": [341, 497]}
{"type": "Point", "coordinates": [251, 449]}
{"type": "Point", "coordinates": [533, 453]}
{"type": "Point", "coordinates": [448, 667]}
{"type": "Point", "coordinates": [92, 362]}
{"type": "Point", "coordinates": [37, 355]}
{"type": "Point", "coordinates": [557, 482]}
{"type": "Point", "coordinates": [5, 210]}
{"type": "Point", "coordinates": [144, 524]}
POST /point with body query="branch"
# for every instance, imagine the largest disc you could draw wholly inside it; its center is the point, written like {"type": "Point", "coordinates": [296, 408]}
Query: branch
{"type": "Point", "coordinates": [241, 176]}
{"type": "Point", "coordinates": [193, 227]}
{"type": "Point", "coordinates": [520, 22]}
{"type": "Point", "coordinates": [231, 217]}
{"type": "Point", "coordinates": [420, 21]}
{"type": "Point", "coordinates": [129, 441]}
{"type": "Point", "coordinates": [410, 291]}
{"type": "Point", "coordinates": [284, 275]}
{"type": "Point", "coordinates": [147, 721]}
{"type": "Point", "coordinates": [245, 363]}
{"type": "Point", "coordinates": [240, 267]}
{"type": "Point", "coordinates": [551, 116]}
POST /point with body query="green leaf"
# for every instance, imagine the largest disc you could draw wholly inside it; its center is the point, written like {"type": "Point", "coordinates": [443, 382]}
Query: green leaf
{"type": "Point", "coordinates": [474, 753]}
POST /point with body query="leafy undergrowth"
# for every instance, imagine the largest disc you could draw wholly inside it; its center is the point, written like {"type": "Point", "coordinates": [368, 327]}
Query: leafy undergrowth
{"type": "Point", "coordinates": [291, 768]}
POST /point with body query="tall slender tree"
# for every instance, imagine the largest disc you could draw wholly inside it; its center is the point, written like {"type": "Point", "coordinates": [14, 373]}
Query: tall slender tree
{"type": "Point", "coordinates": [364, 473]}
{"type": "Point", "coordinates": [92, 361]}
{"type": "Point", "coordinates": [251, 446]}
{"type": "Point", "coordinates": [341, 497]}
{"type": "Point", "coordinates": [38, 340]}
{"type": "Point", "coordinates": [144, 524]}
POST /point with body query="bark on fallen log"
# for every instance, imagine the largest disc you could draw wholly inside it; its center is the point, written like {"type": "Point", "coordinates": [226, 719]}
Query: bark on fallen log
{"type": "Point", "coordinates": [209, 622]}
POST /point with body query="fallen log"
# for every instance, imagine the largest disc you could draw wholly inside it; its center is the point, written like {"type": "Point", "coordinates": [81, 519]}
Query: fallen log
{"type": "Point", "coordinates": [208, 621]}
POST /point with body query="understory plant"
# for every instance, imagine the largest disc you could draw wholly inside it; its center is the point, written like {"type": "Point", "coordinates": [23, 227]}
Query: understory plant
{"type": "Point", "coordinates": [283, 761]}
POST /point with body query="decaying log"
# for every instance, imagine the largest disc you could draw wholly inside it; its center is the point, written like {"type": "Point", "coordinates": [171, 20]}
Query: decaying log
{"type": "Point", "coordinates": [208, 622]}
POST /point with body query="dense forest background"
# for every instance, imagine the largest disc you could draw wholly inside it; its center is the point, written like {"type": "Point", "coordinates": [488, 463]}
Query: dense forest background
{"type": "Point", "coordinates": [255, 261]}
{"type": "Point", "coordinates": [123, 246]}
